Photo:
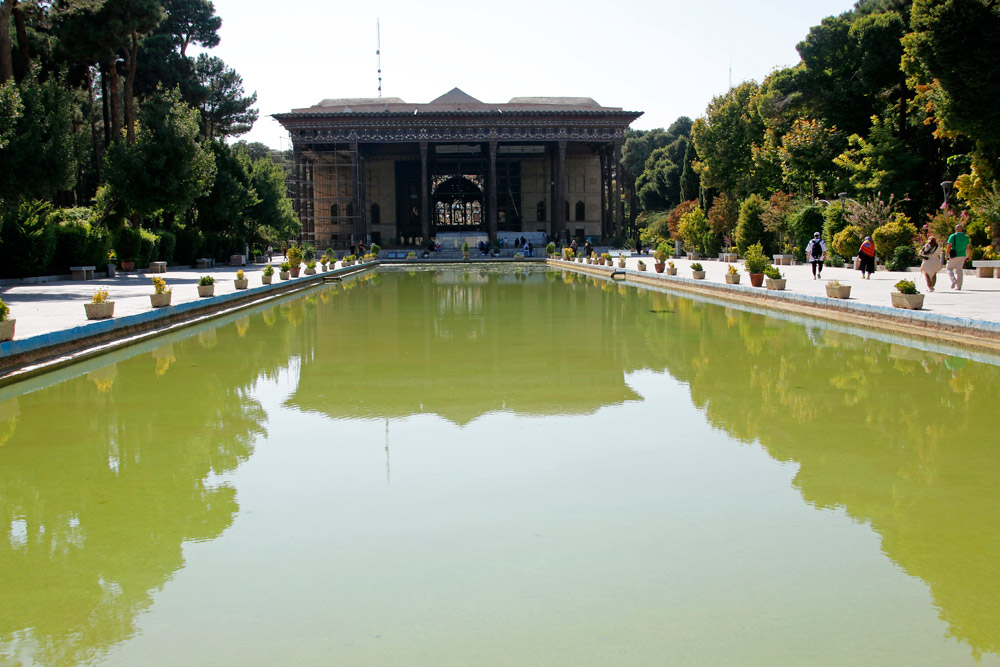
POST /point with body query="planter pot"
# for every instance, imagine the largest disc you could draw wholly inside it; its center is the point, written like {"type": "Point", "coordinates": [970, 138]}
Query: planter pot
{"type": "Point", "coordinates": [241, 284]}
{"type": "Point", "coordinates": [579, 260]}
{"type": "Point", "coordinates": [266, 280]}
{"type": "Point", "coordinates": [698, 275]}
{"type": "Point", "coordinates": [285, 275]}
{"type": "Point", "coordinates": [160, 300]}
{"type": "Point", "coordinates": [776, 283]}
{"type": "Point", "coordinates": [465, 254]}
{"type": "Point", "coordinates": [910, 301]}
{"type": "Point", "coordinates": [206, 290]}
{"type": "Point", "coordinates": [728, 257]}
{"type": "Point", "coordinates": [642, 267]}
{"type": "Point", "coordinates": [99, 311]}
{"type": "Point", "coordinates": [756, 279]}
{"type": "Point", "coordinates": [601, 261]}
{"type": "Point", "coordinates": [295, 271]}
{"type": "Point", "coordinates": [692, 255]}
{"type": "Point", "coordinates": [111, 271]}
{"type": "Point", "coordinates": [659, 267]}
{"type": "Point", "coordinates": [310, 272]}
{"type": "Point", "coordinates": [733, 278]}
{"type": "Point", "coordinates": [838, 291]}
{"type": "Point", "coordinates": [7, 330]}
{"type": "Point", "coordinates": [621, 265]}
{"type": "Point", "coordinates": [128, 266]}
{"type": "Point", "coordinates": [324, 267]}
{"type": "Point", "coordinates": [590, 261]}
{"type": "Point", "coordinates": [671, 270]}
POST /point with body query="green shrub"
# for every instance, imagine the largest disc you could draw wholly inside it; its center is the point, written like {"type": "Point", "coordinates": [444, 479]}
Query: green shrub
{"type": "Point", "coordinates": [189, 244]}
{"type": "Point", "coordinates": [308, 252]}
{"type": "Point", "coordinates": [891, 235]}
{"type": "Point", "coordinates": [692, 227]}
{"type": "Point", "coordinates": [906, 287]}
{"type": "Point", "coordinates": [773, 272]}
{"type": "Point", "coordinates": [834, 221]}
{"type": "Point", "coordinates": [902, 257]}
{"type": "Point", "coordinates": [71, 246]}
{"type": "Point", "coordinates": [4, 311]}
{"type": "Point", "coordinates": [711, 243]}
{"type": "Point", "coordinates": [168, 244]}
{"type": "Point", "coordinates": [754, 259]}
{"type": "Point", "coordinates": [696, 266]}
{"type": "Point", "coordinates": [550, 248]}
{"type": "Point", "coordinates": [285, 267]}
{"type": "Point", "coordinates": [27, 240]}
{"type": "Point", "coordinates": [376, 249]}
{"type": "Point", "coordinates": [750, 226]}
{"type": "Point", "coordinates": [149, 243]}
{"type": "Point", "coordinates": [128, 244]}
{"type": "Point", "coordinates": [661, 253]}
{"type": "Point", "coordinates": [268, 270]}
{"type": "Point", "coordinates": [805, 222]}
{"type": "Point", "coordinates": [847, 241]}
{"type": "Point", "coordinates": [204, 281]}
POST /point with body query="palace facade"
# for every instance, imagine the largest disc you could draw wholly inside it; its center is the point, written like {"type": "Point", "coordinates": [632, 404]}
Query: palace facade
{"type": "Point", "coordinates": [396, 173]}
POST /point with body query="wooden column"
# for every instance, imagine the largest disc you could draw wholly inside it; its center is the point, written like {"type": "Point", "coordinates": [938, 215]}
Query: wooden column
{"type": "Point", "coordinates": [603, 154]}
{"type": "Point", "coordinates": [358, 224]}
{"type": "Point", "coordinates": [425, 205]}
{"type": "Point", "coordinates": [619, 204]}
{"type": "Point", "coordinates": [559, 205]}
{"type": "Point", "coordinates": [492, 185]}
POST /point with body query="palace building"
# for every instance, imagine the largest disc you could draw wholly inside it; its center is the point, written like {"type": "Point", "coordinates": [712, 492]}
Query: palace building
{"type": "Point", "coordinates": [396, 173]}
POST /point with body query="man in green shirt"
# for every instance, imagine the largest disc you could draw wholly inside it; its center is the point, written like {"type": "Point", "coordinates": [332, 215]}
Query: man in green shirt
{"type": "Point", "coordinates": [959, 243]}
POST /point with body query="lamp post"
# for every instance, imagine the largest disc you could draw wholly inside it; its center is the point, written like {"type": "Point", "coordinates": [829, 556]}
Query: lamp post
{"type": "Point", "coordinates": [945, 188]}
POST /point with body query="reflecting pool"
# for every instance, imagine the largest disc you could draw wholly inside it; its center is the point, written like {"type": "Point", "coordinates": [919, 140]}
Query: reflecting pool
{"type": "Point", "coordinates": [502, 467]}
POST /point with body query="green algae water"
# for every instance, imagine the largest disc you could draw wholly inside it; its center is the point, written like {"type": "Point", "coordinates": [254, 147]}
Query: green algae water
{"type": "Point", "coordinates": [503, 467]}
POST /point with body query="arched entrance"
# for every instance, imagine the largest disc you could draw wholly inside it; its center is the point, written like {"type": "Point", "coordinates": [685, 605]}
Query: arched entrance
{"type": "Point", "coordinates": [458, 204]}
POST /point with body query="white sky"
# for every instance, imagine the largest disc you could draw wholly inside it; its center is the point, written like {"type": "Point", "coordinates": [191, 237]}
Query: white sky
{"type": "Point", "coordinates": [667, 58]}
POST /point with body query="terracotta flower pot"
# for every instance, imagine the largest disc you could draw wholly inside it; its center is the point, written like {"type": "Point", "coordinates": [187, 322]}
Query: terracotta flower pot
{"type": "Point", "coordinates": [756, 279]}
{"type": "Point", "coordinates": [660, 267]}
{"type": "Point", "coordinates": [295, 271]}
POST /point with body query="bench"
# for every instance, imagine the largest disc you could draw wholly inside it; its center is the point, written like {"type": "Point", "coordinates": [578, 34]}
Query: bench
{"type": "Point", "coordinates": [237, 260]}
{"type": "Point", "coordinates": [157, 267]}
{"type": "Point", "coordinates": [783, 260]}
{"type": "Point", "coordinates": [728, 257]}
{"type": "Point", "coordinates": [202, 263]}
{"type": "Point", "coordinates": [82, 272]}
{"type": "Point", "coordinates": [988, 268]}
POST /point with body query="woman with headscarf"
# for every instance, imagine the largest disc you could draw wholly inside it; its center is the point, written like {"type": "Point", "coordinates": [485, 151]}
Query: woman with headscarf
{"type": "Point", "coordinates": [866, 253]}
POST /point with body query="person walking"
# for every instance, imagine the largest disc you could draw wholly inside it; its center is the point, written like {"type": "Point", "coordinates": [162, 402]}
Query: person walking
{"type": "Point", "coordinates": [866, 253]}
{"type": "Point", "coordinates": [816, 254]}
{"type": "Point", "coordinates": [958, 244]}
{"type": "Point", "coordinates": [930, 254]}
{"type": "Point", "coordinates": [270, 253]}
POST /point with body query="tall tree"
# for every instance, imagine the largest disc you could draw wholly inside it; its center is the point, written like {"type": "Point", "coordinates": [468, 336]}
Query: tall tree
{"type": "Point", "coordinates": [724, 139]}
{"type": "Point", "coordinates": [225, 111]}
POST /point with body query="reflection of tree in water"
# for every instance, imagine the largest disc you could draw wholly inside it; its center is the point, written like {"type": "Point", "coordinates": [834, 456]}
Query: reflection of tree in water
{"type": "Point", "coordinates": [106, 476]}
{"type": "Point", "coordinates": [895, 435]}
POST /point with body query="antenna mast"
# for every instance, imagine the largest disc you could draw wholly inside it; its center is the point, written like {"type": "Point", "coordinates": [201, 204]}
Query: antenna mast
{"type": "Point", "coordinates": [378, 55]}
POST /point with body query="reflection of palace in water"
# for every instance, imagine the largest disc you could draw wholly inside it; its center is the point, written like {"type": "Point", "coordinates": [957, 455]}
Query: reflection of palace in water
{"type": "Point", "coordinates": [98, 502]}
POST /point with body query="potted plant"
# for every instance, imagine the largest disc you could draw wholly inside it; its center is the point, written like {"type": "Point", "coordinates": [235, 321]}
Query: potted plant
{"type": "Point", "coordinates": [519, 256]}
{"type": "Point", "coordinates": [6, 325]}
{"type": "Point", "coordinates": [206, 286]}
{"type": "Point", "coordinates": [568, 254]}
{"type": "Point", "coordinates": [698, 271]}
{"type": "Point", "coordinates": [375, 250]}
{"type": "Point", "coordinates": [311, 268]}
{"type": "Point", "coordinates": [161, 295]}
{"type": "Point", "coordinates": [294, 256]}
{"type": "Point", "coordinates": [774, 278]}
{"type": "Point", "coordinates": [606, 256]}
{"type": "Point", "coordinates": [907, 296]}
{"type": "Point", "coordinates": [465, 249]}
{"type": "Point", "coordinates": [128, 244]}
{"type": "Point", "coordinates": [671, 269]}
{"type": "Point", "coordinates": [411, 255]}
{"type": "Point", "coordinates": [99, 307]}
{"type": "Point", "coordinates": [837, 290]}
{"type": "Point", "coordinates": [323, 261]}
{"type": "Point", "coordinates": [285, 271]}
{"type": "Point", "coordinates": [621, 261]}
{"type": "Point", "coordinates": [112, 263]}
{"type": "Point", "coordinates": [755, 263]}
{"type": "Point", "coordinates": [241, 281]}
{"type": "Point", "coordinates": [579, 259]}
{"type": "Point", "coordinates": [732, 275]}
{"type": "Point", "coordinates": [267, 275]}
{"type": "Point", "coordinates": [660, 255]}
{"type": "Point", "coordinates": [641, 265]}
{"type": "Point", "coordinates": [550, 249]}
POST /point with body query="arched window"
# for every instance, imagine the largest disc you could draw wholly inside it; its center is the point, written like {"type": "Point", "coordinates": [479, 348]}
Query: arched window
{"type": "Point", "coordinates": [580, 212]}
{"type": "Point", "coordinates": [540, 211]}
{"type": "Point", "coordinates": [376, 215]}
{"type": "Point", "coordinates": [334, 211]}
{"type": "Point", "coordinates": [350, 210]}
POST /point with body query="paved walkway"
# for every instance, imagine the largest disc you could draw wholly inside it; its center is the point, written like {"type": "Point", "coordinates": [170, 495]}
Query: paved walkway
{"type": "Point", "coordinates": [979, 298]}
{"type": "Point", "coordinates": [42, 308]}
